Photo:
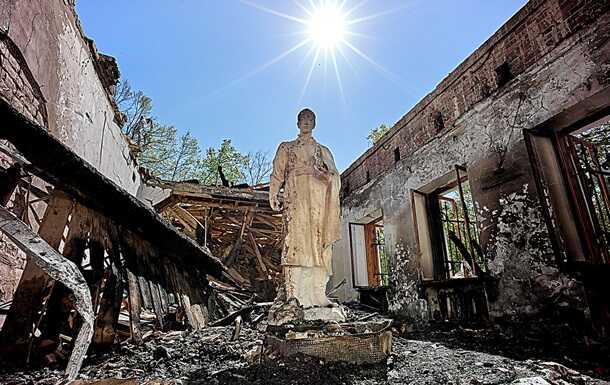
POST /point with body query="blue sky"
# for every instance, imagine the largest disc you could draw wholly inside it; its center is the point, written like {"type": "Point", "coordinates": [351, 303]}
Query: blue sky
{"type": "Point", "coordinates": [193, 58]}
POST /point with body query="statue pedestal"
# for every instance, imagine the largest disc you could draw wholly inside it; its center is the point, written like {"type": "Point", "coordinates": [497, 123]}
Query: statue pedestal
{"type": "Point", "coordinates": [324, 314]}
{"type": "Point", "coordinates": [358, 342]}
{"type": "Point", "coordinates": [322, 332]}
{"type": "Point", "coordinates": [290, 312]}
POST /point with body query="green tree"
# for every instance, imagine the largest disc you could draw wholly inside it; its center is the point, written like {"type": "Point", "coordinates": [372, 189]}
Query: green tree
{"type": "Point", "coordinates": [156, 148]}
{"type": "Point", "coordinates": [376, 133]}
{"type": "Point", "coordinates": [186, 158]}
{"type": "Point", "coordinates": [227, 157]}
{"type": "Point", "coordinates": [159, 149]}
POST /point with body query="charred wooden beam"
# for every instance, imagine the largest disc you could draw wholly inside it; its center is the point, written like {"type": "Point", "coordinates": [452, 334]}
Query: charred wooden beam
{"type": "Point", "coordinates": [134, 308]}
{"type": "Point", "coordinates": [57, 164]}
{"type": "Point", "coordinates": [182, 189]}
{"type": "Point", "coordinates": [57, 268]}
{"type": "Point", "coordinates": [259, 257]}
{"type": "Point", "coordinates": [30, 301]}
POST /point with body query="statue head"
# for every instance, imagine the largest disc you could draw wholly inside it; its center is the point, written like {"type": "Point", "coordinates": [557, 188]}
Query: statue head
{"type": "Point", "coordinates": [306, 121]}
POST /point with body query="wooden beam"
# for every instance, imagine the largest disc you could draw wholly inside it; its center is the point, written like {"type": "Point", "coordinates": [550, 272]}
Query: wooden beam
{"type": "Point", "coordinates": [235, 250]}
{"type": "Point", "coordinates": [187, 216]}
{"type": "Point", "coordinates": [35, 287]}
{"type": "Point", "coordinates": [236, 206]}
{"type": "Point", "coordinates": [86, 184]}
{"type": "Point", "coordinates": [134, 308]}
{"type": "Point", "coordinates": [59, 269]}
{"type": "Point", "coordinates": [259, 257]}
{"type": "Point", "coordinates": [156, 302]}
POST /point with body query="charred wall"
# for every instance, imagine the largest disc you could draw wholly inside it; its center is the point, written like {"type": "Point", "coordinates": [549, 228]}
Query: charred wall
{"type": "Point", "coordinates": [68, 201]}
{"type": "Point", "coordinates": [53, 74]}
{"type": "Point", "coordinates": [550, 56]}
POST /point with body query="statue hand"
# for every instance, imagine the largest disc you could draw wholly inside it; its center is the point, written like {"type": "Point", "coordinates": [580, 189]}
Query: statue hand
{"type": "Point", "coordinates": [275, 204]}
{"type": "Point", "coordinates": [322, 175]}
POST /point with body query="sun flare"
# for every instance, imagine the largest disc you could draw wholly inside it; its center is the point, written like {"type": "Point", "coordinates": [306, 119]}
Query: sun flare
{"type": "Point", "coordinates": [327, 31]}
{"type": "Point", "coordinates": [327, 26]}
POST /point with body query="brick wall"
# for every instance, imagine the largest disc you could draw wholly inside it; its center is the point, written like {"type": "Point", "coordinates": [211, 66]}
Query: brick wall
{"type": "Point", "coordinates": [17, 85]}
{"type": "Point", "coordinates": [539, 27]}
{"type": "Point", "coordinates": [53, 74]}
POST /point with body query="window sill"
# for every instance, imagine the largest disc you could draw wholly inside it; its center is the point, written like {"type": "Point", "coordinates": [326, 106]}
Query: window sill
{"type": "Point", "coordinates": [454, 282]}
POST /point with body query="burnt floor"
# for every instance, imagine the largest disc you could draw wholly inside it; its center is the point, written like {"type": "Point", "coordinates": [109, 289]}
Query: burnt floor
{"type": "Point", "coordinates": [210, 357]}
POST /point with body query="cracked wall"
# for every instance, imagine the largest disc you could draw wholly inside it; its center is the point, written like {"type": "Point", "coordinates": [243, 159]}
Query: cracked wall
{"type": "Point", "coordinates": [559, 54]}
{"type": "Point", "coordinates": [53, 74]}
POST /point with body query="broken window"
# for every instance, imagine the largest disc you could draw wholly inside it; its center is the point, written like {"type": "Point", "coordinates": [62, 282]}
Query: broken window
{"type": "Point", "coordinates": [503, 74]}
{"type": "Point", "coordinates": [446, 230]}
{"type": "Point", "coordinates": [439, 122]}
{"type": "Point", "coordinates": [370, 263]}
{"type": "Point", "coordinates": [573, 177]}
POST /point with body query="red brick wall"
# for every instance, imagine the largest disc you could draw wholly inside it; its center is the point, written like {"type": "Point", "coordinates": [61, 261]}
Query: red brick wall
{"type": "Point", "coordinates": [524, 40]}
{"type": "Point", "coordinates": [17, 85]}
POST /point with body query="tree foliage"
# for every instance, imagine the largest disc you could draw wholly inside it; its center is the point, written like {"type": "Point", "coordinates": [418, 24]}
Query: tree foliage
{"type": "Point", "coordinates": [161, 150]}
{"type": "Point", "coordinates": [227, 157]}
{"type": "Point", "coordinates": [376, 133]}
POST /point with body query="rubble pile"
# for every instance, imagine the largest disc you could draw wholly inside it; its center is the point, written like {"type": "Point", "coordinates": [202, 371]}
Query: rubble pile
{"type": "Point", "coordinates": [220, 355]}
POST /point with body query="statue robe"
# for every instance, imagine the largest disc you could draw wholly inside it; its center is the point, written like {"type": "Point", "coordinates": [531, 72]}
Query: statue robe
{"type": "Point", "coordinates": [307, 171]}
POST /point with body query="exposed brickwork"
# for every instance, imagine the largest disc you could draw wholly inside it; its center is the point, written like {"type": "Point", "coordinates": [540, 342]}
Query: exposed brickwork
{"type": "Point", "coordinates": [17, 85]}
{"type": "Point", "coordinates": [522, 42]}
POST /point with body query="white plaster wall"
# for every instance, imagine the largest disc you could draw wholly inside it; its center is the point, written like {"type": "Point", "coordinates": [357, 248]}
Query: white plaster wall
{"type": "Point", "coordinates": [85, 116]}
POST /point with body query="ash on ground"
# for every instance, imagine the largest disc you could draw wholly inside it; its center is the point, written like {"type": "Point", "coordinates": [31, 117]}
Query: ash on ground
{"type": "Point", "coordinates": [211, 356]}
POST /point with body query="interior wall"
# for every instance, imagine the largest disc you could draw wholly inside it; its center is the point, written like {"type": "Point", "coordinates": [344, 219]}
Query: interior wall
{"type": "Point", "coordinates": [488, 140]}
{"type": "Point", "coordinates": [79, 113]}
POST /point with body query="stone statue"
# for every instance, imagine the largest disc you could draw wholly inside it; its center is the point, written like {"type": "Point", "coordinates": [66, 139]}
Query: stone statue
{"type": "Point", "coordinates": [307, 172]}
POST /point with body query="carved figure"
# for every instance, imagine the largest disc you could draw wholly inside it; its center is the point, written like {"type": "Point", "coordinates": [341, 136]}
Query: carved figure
{"type": "Point", "coordinates": [306, 170]}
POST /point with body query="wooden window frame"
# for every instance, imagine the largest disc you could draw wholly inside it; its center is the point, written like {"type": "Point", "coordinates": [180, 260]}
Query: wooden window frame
{"type": "Point", "coordinates": [588, 250]}
{"type": "Point", "coordinates": [371, 253]}
{"type": "Point", "coordinates": [434, 252]}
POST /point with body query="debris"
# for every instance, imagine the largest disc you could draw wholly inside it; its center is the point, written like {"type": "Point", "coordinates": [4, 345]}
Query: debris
{"type": "Point", "coordinates": [160, 353]}
{"type": "Point", "coordinates": [237, 328]}
{"type": "Point", "coordinates": [60, 269]}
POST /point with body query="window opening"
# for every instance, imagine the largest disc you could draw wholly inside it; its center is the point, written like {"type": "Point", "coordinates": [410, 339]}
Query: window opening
{"type": "Point", "coordinates": [439, 122]}
{"type": "Point", "coordinates": [459, 232]}
{"type": "Point", "coordinates": [446, 230]}
{"type": "Point", "coordinates": [573, 180]}
{"type": "Point", "coordinates": [370, 262]}
{"type": "Point", "coordinates": [589, 157]}
{"type": "Point", "coordinates": [503, 74]}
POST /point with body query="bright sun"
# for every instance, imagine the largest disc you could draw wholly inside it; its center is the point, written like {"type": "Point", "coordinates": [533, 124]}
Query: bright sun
{"type": "Point", "coordinates": [327, 26]}
{"type": "Point", "coordinates": [327, 31]}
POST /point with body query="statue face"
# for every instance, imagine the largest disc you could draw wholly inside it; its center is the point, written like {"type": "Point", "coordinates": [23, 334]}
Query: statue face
{"type": "Point", "coordinates": [306, 123]}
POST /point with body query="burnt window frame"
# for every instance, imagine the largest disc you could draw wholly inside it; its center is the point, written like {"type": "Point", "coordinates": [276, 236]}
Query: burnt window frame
{"type": "Point", "coordinates": [435, 237]}
{"type": "Point", "coordinates": [580, 247]}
